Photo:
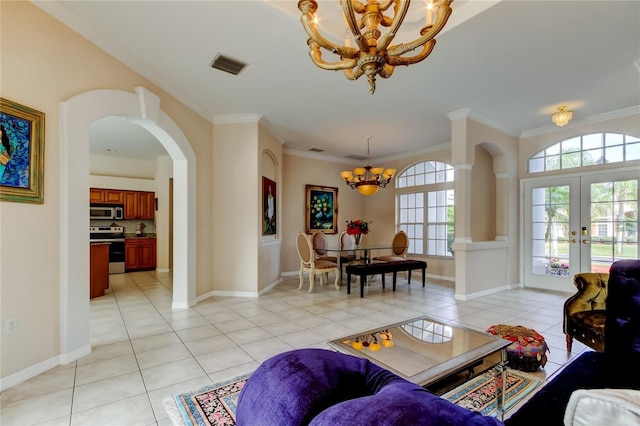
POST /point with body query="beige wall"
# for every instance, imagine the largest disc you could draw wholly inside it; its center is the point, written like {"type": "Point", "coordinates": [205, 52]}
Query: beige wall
{"type": "Point", "coordinates": [297, 172]}
{"type": "Point", "coordinates": [235, 222]}
{"type": "Point", "coordinates": [300, 170]}
{"type": "Point", "coordinates": [43, 64]}
{"type": "Point", "coordinates": [269, 267]}
{"type": "Point", "coordinates": [103, 165]}
{"type": "Point", "coordinates": [483, 197]}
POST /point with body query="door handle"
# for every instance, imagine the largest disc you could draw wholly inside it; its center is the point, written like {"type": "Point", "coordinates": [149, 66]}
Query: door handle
{"type": "Point", "coordinates": [586, 242]}
{"type": "Point", "coordinates": [573, 241]}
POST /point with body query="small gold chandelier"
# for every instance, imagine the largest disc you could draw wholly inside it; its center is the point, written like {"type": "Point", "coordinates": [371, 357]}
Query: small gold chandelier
{"type": "Point", "coordinates": [373, 56]}
{"type": "Point", "coordinates": [562, 117]}
{"type": "Point", "coordinates": [367, 180]}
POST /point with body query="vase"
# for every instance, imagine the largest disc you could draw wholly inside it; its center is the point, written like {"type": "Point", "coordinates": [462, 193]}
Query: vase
{"type": "Point", "coordinates": [357, 238]}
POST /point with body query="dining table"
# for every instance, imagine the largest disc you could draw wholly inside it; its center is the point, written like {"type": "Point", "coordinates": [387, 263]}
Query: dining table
{"type": "Point", "coordinates": [365, 249]}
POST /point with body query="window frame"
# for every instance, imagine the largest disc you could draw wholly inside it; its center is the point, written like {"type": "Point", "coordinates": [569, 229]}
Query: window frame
{"type": "Point", "coordinates": [577, 152]}
{"type": "Point", "coordinates": [447, 184]}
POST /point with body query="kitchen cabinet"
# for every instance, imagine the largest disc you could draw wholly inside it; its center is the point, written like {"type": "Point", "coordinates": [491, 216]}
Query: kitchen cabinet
{"type": "Point", "coordinates": [105, 196]}
{"type": "Point", "coordinates": [140, 254]}
{"type": "Point", "coordinates": [139, 205]}
{"type": "Point", "coordinates": [99, 269]}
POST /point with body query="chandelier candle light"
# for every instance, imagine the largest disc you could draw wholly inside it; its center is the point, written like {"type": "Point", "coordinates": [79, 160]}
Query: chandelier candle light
{"type": "Point", "coordinates": [367, 180]}
{"type": "Point", "coordinates": [373, 54]}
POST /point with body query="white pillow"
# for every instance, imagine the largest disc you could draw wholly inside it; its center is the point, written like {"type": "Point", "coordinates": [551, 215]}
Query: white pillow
{"type": "Point", "coordinates": [603, 407]}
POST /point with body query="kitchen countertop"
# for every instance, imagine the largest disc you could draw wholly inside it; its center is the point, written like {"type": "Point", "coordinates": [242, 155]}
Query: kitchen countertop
{"type": "Point", "coordinates": [142, 236]}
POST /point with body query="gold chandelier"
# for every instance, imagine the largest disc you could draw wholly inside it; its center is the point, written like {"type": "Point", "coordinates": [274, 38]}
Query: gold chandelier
{"type": "Point", "coordinates": [562, 117]}
{"type": "Point", "coordinates": [373, 55]}
{"type": "Point", "coordinates": [367, 180]}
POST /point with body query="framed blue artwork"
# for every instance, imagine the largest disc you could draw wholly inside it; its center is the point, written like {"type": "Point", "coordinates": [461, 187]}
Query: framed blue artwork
{"type": "Point", "coordinates": [322, 209]}
{"type": "Point", "coordinates": [21, 153]}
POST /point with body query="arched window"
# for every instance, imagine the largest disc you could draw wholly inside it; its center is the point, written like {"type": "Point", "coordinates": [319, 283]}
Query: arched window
{"type": "Point", "coordinates": [586, 150]}
{"type": "Point", "coordinates": [425, 203]}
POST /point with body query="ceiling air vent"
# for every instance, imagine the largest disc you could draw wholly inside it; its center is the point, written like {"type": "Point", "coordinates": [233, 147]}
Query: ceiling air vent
{"type": "Point", "coordinates": [316, 150]}
{"type": "Point", "coordinates": [228, 64]}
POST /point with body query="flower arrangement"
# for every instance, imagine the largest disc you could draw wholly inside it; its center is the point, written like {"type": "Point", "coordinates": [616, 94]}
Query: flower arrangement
{"type": "Point", "coordinates": [357, 228]}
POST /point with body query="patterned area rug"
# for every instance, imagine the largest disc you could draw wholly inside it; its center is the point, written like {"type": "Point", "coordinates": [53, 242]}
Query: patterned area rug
{"type": "Point", "coordinates": [211, 405]}
{"type": "Point", "coordinates": [478, 394]}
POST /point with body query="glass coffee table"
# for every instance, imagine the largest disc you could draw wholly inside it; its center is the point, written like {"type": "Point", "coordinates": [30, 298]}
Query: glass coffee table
{"type": "Point", "coordinates": [424, 350]}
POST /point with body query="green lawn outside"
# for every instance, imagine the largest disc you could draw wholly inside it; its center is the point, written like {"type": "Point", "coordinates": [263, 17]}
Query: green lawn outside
{"type": "Point", "coordinates": [629, 251]}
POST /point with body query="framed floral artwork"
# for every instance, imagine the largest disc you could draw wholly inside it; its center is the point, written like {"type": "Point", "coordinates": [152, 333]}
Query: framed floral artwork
{"type": "Point", "coordinates": [322, 209]}
{"type": "Point", "coordinates": [21, 153]}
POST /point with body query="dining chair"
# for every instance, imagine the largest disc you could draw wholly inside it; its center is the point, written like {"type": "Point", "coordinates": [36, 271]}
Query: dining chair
{"type": "Point", "coordinates": [309, 263]}
{"type": "Point", "coordinates": [348, 242]}
{"type": "Point", "coordinates": [400, 246]}
{"type": "Point", "coordinates": [320, 246]}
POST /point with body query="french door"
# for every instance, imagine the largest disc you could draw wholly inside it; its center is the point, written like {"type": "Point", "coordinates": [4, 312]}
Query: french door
{"type": "Point", "coordinates": [578, 224]}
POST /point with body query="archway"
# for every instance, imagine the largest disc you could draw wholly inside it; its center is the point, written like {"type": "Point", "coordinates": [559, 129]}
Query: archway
{"type": "Point", "coordinates": [76, 114]}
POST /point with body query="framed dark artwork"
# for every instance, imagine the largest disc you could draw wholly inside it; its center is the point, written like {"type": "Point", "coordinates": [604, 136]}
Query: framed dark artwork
{"type": "Point", "coordinates": [268, 206]}
{"type": "Point", "coordinates": [322, 209]}
{"type": "Point", "coordinates": [21, 153]}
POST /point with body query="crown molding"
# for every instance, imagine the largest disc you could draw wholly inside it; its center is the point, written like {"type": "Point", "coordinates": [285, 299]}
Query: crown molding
{"type": "Point", "coordinates": [237, 118]}
{"type": "Point", "coordinates": [249, 118]}
{"type": "Point", "coordinates": [482, 119]}
{"type": "Point", "coordinates": [319, 156]}
{"type": "Point", "coordinates": [399, 156]}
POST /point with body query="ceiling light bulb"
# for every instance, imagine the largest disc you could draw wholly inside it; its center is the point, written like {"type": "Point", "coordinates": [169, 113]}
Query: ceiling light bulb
{"type": "Point", "coordinates": [562, 117]}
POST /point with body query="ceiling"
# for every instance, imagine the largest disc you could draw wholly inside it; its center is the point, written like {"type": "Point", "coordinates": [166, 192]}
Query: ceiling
{"type": "Point", "coordinates": [510, 62]}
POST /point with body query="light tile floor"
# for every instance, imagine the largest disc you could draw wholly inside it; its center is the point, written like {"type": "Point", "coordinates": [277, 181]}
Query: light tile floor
{"type": "Point", "coordinates": [143, 351]}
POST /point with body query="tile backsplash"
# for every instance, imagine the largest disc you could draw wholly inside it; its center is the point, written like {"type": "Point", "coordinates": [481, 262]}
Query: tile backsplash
{"type": "Point", "coordinates": [129, 225]}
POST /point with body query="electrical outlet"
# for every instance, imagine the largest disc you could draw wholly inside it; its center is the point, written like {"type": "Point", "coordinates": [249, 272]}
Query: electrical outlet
{"type": "Point", "coordinates": [12, 325]}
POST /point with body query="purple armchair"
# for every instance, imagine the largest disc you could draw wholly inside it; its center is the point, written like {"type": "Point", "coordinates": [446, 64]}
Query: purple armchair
{"type": "Point", "coordinates": [615, 368]}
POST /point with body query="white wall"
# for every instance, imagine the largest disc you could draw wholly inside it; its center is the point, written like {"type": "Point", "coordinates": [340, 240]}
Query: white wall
{"type": "Point", "coordinates": [164, 172]}
{"type": "Point", "coordinates": [103, 165]}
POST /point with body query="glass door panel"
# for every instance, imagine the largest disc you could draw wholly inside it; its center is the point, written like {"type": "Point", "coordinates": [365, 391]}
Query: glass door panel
{"type": "Point", "coordinates": [578, 224]}
{"type": "Point", "coordinates": [613, 222]}
{"type": "Point", "coordinates": [551, 247]}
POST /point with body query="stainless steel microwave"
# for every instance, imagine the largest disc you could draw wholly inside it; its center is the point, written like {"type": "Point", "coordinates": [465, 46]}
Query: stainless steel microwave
{"type": "Point", "coordinates": [106, 212]}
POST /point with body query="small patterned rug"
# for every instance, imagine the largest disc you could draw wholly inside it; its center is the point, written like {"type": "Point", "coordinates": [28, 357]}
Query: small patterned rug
{"type": "Point", "coordinates": [478, 394]}
{"type": "Point", "coordinates": [208, 406]}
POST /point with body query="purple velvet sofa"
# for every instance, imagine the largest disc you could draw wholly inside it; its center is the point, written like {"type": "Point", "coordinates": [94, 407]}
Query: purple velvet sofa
{"type": "Point", "coordinates": [325, 388]}
{"type": "Point", "coordinates": [321, 387]}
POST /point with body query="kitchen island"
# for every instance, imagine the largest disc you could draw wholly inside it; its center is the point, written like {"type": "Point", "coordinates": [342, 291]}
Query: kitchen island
{"type": "Point", "coordinates": [99, 269]}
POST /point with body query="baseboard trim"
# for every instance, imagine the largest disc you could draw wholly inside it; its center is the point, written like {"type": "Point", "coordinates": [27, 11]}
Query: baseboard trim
{"type": "Point", "coordinates": [467, 297]}
{"type": "Point", "coordinates": [41, 367]}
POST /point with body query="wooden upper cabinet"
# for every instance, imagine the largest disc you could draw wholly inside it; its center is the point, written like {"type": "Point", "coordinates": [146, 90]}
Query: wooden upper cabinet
{"type": "Point", "coordinates": [139, 205]}
{"type": "Point", "coordinates": [147, 205]}
{"type": "Point", "coordinates": [96, 196]}
{"type": "Point", "coordinates": [105, 196]}
{"type": "Point", "coordinates": [131, 201]}
{"type": "Point", "coordinates": [113, 196]}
